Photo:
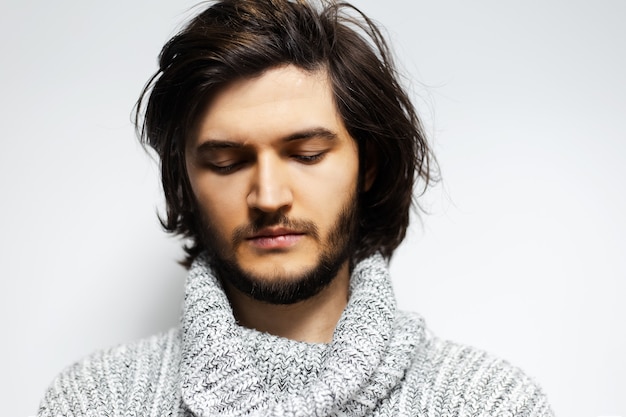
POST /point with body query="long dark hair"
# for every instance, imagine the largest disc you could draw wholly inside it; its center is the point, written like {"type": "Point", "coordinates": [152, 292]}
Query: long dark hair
{"type": "Point", "coordinates": [235, 39]}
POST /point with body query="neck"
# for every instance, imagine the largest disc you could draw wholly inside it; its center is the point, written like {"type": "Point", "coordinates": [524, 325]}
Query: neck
{"type": "Point", "coordinates": [312, 320]}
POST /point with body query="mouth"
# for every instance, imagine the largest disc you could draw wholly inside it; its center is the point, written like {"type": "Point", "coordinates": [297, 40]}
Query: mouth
{"type": "Point", "coordinates": [275, 238]}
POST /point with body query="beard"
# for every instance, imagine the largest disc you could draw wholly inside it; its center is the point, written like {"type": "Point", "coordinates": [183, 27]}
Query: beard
{"type": "Point", "coordinates": [292, 288]}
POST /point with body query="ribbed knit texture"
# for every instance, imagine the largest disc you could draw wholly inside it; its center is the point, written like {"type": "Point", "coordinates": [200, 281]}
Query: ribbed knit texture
{"type": "Point", "coordinates": [380, 362]}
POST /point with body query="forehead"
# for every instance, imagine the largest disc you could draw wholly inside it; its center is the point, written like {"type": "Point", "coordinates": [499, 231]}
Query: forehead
{"type": "Point", "coordinates": [275, 104]}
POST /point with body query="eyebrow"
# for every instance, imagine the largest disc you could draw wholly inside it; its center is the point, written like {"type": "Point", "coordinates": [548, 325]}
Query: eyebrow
{"type": "Point", "coordinates": [217, 144]}
{"type": "Point", "coordinates": [318, 132]}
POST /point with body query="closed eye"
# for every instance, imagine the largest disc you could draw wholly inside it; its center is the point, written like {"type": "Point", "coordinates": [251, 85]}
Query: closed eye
{"type": "Point", "coordinates": [226, 168]}
{"type": "Point", "coordinates": [309, 159]}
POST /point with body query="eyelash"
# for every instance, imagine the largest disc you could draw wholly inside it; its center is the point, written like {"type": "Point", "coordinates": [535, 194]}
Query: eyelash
{"type": "Point", "coordinates": [227, 169]}
{"type": "Point", "coordinates": [309, 159]}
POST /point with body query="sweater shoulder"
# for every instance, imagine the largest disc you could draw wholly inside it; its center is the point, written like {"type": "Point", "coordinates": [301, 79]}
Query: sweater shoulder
{"type": "Point", "coordinates": [466, 381]}
{"type": "Point", "coordinates": [121, 380]}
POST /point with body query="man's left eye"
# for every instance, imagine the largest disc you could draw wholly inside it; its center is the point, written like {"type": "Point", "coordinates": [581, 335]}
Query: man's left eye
{"type": "Point", "coordinates": [309, 159]}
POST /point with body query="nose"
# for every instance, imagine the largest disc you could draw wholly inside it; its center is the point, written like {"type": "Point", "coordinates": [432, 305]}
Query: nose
{"type": "Point", "coordinates": [270, 189]}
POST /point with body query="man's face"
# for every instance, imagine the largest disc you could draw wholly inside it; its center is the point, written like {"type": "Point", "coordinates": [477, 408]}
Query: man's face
{"type": "Point", "coordinates": [275, 174]}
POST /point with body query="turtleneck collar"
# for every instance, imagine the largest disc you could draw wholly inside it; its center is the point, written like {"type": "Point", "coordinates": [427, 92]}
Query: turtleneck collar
{"type": "Point", "coordinates": [367, 357]}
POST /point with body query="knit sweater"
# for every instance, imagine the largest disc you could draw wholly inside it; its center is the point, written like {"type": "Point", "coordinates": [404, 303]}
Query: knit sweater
{"type": "Point", "coordinates": [381, 362]}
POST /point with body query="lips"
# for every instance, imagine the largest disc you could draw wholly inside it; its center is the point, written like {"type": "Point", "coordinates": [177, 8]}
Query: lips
{"type": "Point", "coordinates": [275, 238]}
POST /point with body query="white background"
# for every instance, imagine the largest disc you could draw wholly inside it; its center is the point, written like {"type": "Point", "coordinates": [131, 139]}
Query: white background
{"type": "Point", "coordinates": [522, 254]}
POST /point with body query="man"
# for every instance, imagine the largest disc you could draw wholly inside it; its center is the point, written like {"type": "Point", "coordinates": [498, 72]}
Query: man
{"type": "Point", "coordinates": [289, 153]}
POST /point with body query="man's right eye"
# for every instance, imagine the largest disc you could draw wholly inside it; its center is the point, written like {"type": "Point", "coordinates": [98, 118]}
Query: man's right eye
{"type": "Point", "coordinates": [226, 168]}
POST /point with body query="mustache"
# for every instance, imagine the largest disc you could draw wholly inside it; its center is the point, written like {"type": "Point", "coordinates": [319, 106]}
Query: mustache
{"type": "Point", "coordinates": [264, 220]}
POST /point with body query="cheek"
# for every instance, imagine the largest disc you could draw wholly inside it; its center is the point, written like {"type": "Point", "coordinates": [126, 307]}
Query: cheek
{"type": "Point", "coordinates": [221, 204]}
{"type": "Point", "coordinates": [328, 191]}
{"type": "Point", "coordinates": [342, 177]}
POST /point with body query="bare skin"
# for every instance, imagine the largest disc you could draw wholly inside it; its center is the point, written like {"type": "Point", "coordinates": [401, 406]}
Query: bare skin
{"type": "Point", "coordinates": [277, 144]}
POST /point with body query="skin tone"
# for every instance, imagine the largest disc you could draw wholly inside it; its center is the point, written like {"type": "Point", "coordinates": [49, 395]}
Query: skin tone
{"type": "Point", "coordinates": [275, 144]}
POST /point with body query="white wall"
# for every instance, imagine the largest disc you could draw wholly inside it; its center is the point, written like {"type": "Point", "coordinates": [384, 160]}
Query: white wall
{"type": "Point", "coordinates": [523, 254]}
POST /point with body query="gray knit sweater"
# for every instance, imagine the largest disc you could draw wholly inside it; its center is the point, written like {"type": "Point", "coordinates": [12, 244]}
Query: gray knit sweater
{"type": "Point", "coordinates": [380, 362]}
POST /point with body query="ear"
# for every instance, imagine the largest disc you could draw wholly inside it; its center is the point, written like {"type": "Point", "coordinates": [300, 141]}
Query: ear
{"type": "Point", "coordinates": [371, 168]}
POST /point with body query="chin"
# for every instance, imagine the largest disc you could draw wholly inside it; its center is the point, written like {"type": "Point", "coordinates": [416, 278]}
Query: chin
{"type": "Point", "coordinates": [270, 272]}
{"type": "Point", "coordinates": [278, 265]}
{"type": "Point", "coordinates": [277, 283]}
